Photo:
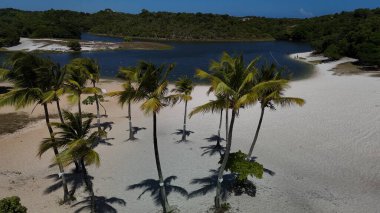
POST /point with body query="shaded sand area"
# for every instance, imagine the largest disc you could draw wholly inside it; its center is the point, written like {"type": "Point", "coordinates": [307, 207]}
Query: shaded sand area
{"type": "Point", "coordinates": [58, 45]}
{"type": "Point", "coordinates": [325, 155]}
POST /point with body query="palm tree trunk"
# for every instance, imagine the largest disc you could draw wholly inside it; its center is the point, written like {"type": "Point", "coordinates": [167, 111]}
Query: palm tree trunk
{"type": "Point", "coordinates": [256, 134]}
{"type": "Point", "coordinates": [77, 167]}
{"type": "Point", "coordinates": [59, 111]}
{"type": "Point", "coordinates": [89, 186]}
{"type": "Point", "coordinates": [184, 123]}
{"type": "Point", "coordinates": [226, 124]}
{"type": "Point", "coordinates": [164, 200]}
{"type": "Point", "coordinates": [220, 127]}
{"type": "Point", "coordinates": [61, 170]}
{"type": "Point", "coordinates": [97, 110]}
{"type": "Point", "coordinates": [79, 106]}
{"type": "Point", "coordinates": [131, 134]}
{"type": "Point", "coordinates": [224, 162]}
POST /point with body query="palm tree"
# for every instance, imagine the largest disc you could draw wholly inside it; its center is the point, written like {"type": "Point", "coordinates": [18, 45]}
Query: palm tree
{"type": "Point", "coordinates": [131, 76]}
{"type": "Point", "coordinates": [56, 76]}
{"type": "Point", "coordinates": [78, 143]}
{"type": "Point", "coordinates": [269, 98]}
{"type": "Point", "coordinates": [152, 90]}
{"type": "Point", "coordinates": [91, 68]}
{"type": "Point", "coordinates": [183, 88]}
{"type": "Point", "coordinates": [78, 75]}
{"type": "Point", "coordinates": [237, 87]}
{"type": "Point", "coordinates": [29, 88]}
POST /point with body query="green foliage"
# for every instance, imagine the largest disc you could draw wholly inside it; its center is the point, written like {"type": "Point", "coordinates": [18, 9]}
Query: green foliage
{"type": "Point", "coordinates": [11, 205]}
{"type": "Point", "coordinates": [74, 45]}
{"type": "Point", "coordinates": [127, 39]}
{"type": "Point", "coordinates": [237, 163]}
{"type": "Point", "coordinates": [90, 100]}
{"type": "Point", "coordinates": [355, 34]}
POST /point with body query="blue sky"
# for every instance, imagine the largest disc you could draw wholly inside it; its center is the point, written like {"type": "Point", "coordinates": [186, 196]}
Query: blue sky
{"type": "Point", "coordinates": [268, 8]}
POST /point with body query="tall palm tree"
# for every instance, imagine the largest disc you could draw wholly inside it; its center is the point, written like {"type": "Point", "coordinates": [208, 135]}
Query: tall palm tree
{"type": "Point", "coordinates": [183, 89]}
{"type": "Point", "coordinates": [57, 77]}
{"type": "Point", "coordinates": [29, 88]}
{"type": "Point", "coordinates": [78, 143]}
{"type": "Point", "coordinates": [78, 75]}
{"type": "Point", "coordinates": [271, 97]}
{"type": "Point", "coordinates": [91, 68]}
{"type": "Point", "coordinates": [237, 87]}
{"type": "Point", "coordinates": [131, 76]}
{"type": "Point", "coordinates": [152, 90]}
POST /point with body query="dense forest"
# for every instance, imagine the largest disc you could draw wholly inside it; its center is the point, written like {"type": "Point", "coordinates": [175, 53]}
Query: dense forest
{"type": "Point", "coordinates": [355, 34]}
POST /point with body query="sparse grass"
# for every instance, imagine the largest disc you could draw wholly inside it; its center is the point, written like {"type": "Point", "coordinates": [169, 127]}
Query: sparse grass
{"type": "Point", "coordinates": [11, 122]}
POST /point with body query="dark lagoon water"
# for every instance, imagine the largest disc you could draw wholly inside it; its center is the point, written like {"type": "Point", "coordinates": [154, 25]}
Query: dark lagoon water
{"type": "Point", "coordinates": [191, 55]}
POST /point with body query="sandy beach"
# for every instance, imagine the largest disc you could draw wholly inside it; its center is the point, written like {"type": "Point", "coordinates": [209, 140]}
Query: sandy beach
{"type": "Point", "coordinates": [325, 155]}
{"type": "Point", "coordinates": [60, 45]}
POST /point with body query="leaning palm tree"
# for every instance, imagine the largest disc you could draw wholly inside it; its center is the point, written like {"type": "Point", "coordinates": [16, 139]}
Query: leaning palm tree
{"type": "Point", "coordinates": [237, 88]}
{"type": "Point", "coordinates": [271, 97]}
{"type": "Point", "coordinates": [131, 76]}
{"type": "Point", "coordinates": [29, 88]}
{"type": "Point", "coordinates": [152, 90]}
{"type": "Point", "coordinates": [78, 142]}
{"type": "Point", "coordinates": [183, 89]}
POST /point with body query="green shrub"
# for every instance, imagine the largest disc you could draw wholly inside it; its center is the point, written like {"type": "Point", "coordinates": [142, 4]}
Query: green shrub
{"type": "Point", "coordinates": [127, 39]}
{"type": "Point", "coordinates": [11, 205]}
{"type": "Point", "coordinates": [74, 45]}
{"type": "Point", "coordinates": [237, 163]}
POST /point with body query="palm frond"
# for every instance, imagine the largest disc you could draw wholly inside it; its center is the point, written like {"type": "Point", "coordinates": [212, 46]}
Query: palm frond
{"type": "Point", "coordinates": [211, 106]}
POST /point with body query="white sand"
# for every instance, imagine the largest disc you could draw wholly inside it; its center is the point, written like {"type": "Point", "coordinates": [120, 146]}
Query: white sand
{"type": "Point", "coordinates": [45, 44]}
{"type": "Point", "coordinates": [325, 154]}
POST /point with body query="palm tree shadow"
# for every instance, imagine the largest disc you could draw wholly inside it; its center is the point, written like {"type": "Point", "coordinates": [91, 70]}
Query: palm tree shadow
{"type": "Point", "coordinates": [153, 186]}
{"type": "Point", "coordinates": [73, 179]}
{"type": "Point", "coordinates": [209, 185]}
{"type": "Point", "coordinates": [136, 129]}
{"type": "Point", "coordinates": [180, 132]}
{"type": "Point", "coordinates": [214, 138]}
{"type": "Point", "coordinates": [103, 141]}
{"type": "Point", "coordinates": [102, 204]}
{"type": "Point", "coordinates": [212, 150]}
{"type": "Point", "coordinates": [104, 126]}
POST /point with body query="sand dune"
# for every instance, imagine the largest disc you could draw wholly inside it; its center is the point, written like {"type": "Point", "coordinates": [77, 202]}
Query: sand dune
{"type": "Point", "coordinates": [325, 154]}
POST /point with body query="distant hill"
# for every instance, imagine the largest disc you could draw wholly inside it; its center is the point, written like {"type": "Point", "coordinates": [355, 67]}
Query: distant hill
{"type": "Point", "coordinates": [355, 34]}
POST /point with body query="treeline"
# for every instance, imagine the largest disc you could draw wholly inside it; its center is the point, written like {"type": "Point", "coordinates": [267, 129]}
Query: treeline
{"type": "Point", "coordinates": [48, 24]}
{"type": "Point", "coordinates": [158, 25]}
{"type": "Point", "coordinates": [355, 34]}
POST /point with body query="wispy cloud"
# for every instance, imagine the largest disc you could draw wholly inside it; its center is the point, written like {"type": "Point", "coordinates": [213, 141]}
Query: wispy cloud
{"type": "Point", "coordinates": [305, 13]}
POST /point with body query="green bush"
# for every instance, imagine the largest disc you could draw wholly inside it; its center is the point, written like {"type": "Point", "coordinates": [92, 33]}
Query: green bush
{"type": "Point", "coordinates": [11, 205]}
{"type": "Point", "coordinates": [237, 163]}
{"type": "Point", "coordinates": [74, 45]}
{"type": "Point", "coordinates": [127, 39]}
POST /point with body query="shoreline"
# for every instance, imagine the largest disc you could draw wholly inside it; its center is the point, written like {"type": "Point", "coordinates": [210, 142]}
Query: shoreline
{"type": "Point", "coordinates": [60, 46]}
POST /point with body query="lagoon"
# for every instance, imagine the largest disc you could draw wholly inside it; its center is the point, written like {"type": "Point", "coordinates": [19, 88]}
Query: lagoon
{"type": "Point", "coordinates": [189, 56]}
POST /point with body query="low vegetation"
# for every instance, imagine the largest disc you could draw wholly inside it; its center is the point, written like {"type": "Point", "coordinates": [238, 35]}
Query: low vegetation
{"type": "Point", "coordinates": [12, 205]}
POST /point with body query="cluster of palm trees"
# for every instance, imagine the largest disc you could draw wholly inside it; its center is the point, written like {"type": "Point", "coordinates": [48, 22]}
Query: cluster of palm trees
{"type": "Point", "coordinates": [234, 83]}
{"type": "Point", "coordinates": [40, 81]}
{"type": "Point", "coordinates": [236, 86]}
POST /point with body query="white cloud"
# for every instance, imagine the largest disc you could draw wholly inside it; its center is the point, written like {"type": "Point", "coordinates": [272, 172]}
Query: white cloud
{"type": "Point", "coordinates": [305, 13]}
